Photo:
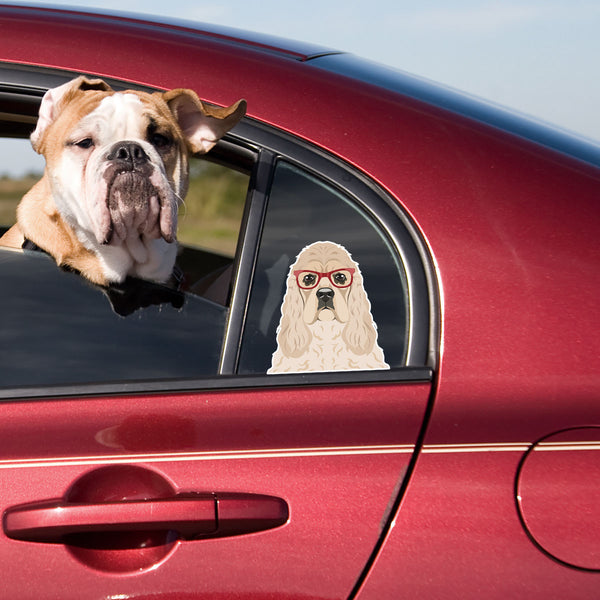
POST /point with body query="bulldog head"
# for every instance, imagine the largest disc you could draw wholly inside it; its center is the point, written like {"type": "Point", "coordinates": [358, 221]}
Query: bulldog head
{"type": "Point", "coordinates": [117, 167]}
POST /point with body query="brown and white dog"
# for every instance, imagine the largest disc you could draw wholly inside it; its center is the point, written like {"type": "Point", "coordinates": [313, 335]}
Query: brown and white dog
{"type": "Point", "coordinates": [116, 172]}
{"type": "Point", "coordinates": [326, 322]}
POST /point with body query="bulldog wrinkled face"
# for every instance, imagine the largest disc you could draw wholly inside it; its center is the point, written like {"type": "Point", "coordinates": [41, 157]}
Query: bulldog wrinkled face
{"type": "Point", "coordinates": [324, 288]}
{"type": "Point", "coordinates": [124, 173]}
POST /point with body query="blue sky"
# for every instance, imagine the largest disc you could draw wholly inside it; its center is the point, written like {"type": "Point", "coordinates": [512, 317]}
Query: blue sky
{"type": "Point", "coordinates": [536, 56]}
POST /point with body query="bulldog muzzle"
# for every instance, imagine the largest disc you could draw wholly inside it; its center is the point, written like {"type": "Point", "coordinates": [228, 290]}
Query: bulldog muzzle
{"type": "Point", "coordinates": [138, 201]}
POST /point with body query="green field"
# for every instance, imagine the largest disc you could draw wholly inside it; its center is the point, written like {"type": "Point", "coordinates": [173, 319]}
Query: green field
{"type": "Point", "coordinates": [210, 216]}
{"type": "Point", "coordinates": [11, 191]}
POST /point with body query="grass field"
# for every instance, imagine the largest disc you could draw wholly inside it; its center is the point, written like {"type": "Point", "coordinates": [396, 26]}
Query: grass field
{"type": "Point", "coordinates": [11, 191]}
{"type": "Point", "coordinates": [209, 218]}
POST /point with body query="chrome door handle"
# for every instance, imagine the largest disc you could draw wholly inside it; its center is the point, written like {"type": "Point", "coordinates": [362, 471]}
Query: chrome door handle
{"type": "Point", "coordinates": [191, 516]}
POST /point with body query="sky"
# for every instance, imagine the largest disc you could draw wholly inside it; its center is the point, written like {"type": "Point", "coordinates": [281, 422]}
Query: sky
{"type": "Point", "coordinates": [538, 57]}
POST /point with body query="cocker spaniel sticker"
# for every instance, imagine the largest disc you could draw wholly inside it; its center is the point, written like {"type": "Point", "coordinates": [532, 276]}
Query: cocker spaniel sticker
{"type": "Point", "coordinates": [326, 322]}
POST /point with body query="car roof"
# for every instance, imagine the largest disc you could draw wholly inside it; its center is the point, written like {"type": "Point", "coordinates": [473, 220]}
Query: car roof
{"type": "Point", "coordinates": [283, 47]}
{"type": "Point", "coordinates": [463, 104]}
{"type": "Point", "coordinates": [344, 64]}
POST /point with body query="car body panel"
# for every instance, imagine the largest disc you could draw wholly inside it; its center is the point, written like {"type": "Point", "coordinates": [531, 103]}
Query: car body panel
{"type": "Point", "coordinates": [298, 450]}
{"type": "Point", "coordinates": [557, 493]}
{"type": "Point", "coordinates": [479, 548]}
{"type": "Point", "coordinates": [509, 229]}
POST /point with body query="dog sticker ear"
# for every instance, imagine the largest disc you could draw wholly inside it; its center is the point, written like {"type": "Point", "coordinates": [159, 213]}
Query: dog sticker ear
{"type": "Point", "coordinates": [203, 125]}
{"type": "Point", "coordinates": [326, 322]}
{"type": "Point", "coordinates": [53, 101]}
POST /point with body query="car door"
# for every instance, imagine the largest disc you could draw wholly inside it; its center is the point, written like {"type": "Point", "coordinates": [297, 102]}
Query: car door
{"type": "Point", "coordinates": [146, 448]}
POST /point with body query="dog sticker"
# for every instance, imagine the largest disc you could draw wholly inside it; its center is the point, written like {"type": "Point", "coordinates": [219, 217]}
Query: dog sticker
{"type": "Point", "coordinates": [326, 322]}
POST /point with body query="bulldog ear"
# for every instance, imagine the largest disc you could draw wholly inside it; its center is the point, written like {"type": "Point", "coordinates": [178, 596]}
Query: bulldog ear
{"type": "Point", "coordinates": [203, 125]}
{"type": "Point", "coordinates": [52, 103]}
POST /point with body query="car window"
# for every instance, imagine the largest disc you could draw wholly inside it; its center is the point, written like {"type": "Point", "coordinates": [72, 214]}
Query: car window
{"type": "Point", "coordinates": [257, 201]}
{"type": "Point", "coordinates": [306, 212]}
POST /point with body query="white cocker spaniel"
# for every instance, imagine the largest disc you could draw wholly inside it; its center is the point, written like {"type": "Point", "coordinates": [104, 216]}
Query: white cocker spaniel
{"type": "Point", "coordinates": [326, 322]}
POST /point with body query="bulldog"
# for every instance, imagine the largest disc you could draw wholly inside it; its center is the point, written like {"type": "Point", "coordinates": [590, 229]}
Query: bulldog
{"type": "Point", "coordinates": [116, 173]}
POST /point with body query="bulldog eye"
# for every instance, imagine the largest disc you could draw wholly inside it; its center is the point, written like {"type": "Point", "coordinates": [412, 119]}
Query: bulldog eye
{"type": "Point", "coordinates": [160, 141]}
{"type": "Point", "coordinates": [85, 143]}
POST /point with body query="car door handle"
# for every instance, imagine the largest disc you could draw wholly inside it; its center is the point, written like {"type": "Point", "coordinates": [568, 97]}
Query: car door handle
{"type": "Point", "coordinates": [192, 517]}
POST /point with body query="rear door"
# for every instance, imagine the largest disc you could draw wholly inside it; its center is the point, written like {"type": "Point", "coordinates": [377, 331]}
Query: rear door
{"type": "Point", "coordinates": [151, 450]}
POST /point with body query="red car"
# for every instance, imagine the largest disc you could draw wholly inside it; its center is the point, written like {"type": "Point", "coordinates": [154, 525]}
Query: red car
{"type": "Point", "coordinates": [154, 450]}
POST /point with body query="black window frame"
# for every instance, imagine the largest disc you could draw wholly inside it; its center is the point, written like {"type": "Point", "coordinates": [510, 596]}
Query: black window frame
{"type": "Point", "coordinates": [250, 142]}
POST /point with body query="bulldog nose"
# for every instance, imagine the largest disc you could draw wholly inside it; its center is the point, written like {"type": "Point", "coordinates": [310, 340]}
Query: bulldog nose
{"type": "Point", "coordinates": [129, 154]}
{"type": "Point", "coordinates": [325, 294]}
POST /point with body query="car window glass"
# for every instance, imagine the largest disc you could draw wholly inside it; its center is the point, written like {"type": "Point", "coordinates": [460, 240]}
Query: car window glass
{"type": "Point", "coordinates": [302, 210]}
{"type": "Point", "coordinates": [211, 213]}
{"type": "Point", "coordinates": [208, 228]}
{"type": "Point", "coordinates": [56, 328]}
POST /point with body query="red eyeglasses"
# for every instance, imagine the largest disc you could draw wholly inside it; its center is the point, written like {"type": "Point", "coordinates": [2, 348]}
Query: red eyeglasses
{"type": "Point", "coordinates": [340, 278]}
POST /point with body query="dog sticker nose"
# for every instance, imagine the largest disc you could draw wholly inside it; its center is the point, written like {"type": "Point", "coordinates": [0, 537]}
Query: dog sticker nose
{"type": "Point", "coordinates": [325, 294]}
{"type": "Point", "coordinates": [129, 154]}
{"type": "Point", "coordinates": [325, 298]}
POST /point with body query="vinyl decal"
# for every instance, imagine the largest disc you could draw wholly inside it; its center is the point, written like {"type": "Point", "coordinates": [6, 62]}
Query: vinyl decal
{"type": "Point", "coordinates": [326, 322]}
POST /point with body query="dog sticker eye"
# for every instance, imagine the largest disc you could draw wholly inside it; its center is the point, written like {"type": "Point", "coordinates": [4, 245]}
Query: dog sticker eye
{"type": "Point", "coordinates": [309, 280]}
{"type": "Point", "coordinates": [339, 278]}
